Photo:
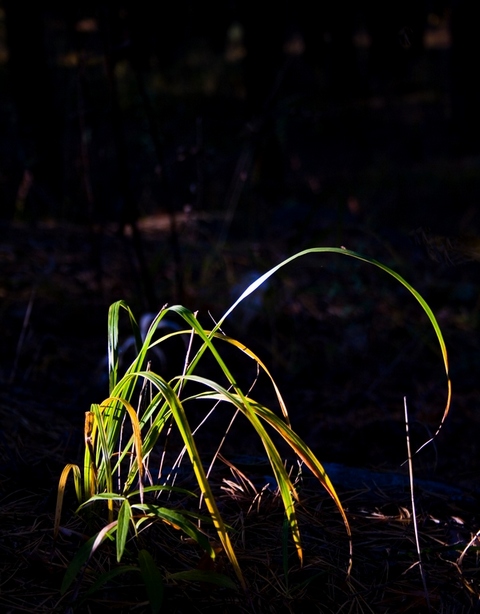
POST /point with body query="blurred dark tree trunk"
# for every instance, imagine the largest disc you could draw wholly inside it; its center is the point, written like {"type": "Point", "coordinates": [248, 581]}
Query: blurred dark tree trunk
{"type": "Point", "coordinates": [38, 120]}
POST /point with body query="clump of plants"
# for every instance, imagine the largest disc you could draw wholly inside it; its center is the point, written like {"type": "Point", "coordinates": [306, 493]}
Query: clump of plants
{"type": "Point", "coordinates": [120, 494]}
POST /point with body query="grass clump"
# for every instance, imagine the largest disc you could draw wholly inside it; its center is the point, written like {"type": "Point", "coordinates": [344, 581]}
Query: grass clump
{"type": "Point", "coordinates": [118, 495]}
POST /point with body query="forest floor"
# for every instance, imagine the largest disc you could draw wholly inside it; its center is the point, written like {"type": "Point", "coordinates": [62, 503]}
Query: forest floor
{"type": "Point", "coordinates": [347, 344]}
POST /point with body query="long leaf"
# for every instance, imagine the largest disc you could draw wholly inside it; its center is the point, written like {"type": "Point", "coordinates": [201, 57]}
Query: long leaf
{"type": "Point", "coordinates": [153, 580]}
{"type": "Point", "coordinates": [124, 518]}
{"type": "Point", "coordinates": [84, 555]}
{"type": "Point", "coordinates": [104, 414]}
{"type": "Point", "coordinates": [183, 426]}
{"type": "Point", "coordinates": [287, 489]}
{"type": "Point", "coordinates": [137, 436]}
{"type": "Point", "coordinates": [285, 486]}
{"type": "Point", "coordinates": [104, 468]}
{"type": "Point", "coordinates": [346, 252]}
{"type": "Point", "coordinates": [178, 521]}
{"type": "Point", "coordinates": [113, 358]}
{"type": "Point", "coordinates": [307, 456]}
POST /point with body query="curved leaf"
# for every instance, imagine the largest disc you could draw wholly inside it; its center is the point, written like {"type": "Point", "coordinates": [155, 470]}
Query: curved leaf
{"type": "Point", "coordinates": [346, 252]}
{"type": "Point", "coordinates": [178, 521]}
{"type": "Point", "coordinates": [84, 554]}
{"type": "Point", "coordinates": [183, 426]}
{"type": "Point", "coordinates": [61, 491]}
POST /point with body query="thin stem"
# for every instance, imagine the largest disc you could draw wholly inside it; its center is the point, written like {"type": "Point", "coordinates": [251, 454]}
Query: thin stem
{"type": "Point", "coordinates": [414, 513]}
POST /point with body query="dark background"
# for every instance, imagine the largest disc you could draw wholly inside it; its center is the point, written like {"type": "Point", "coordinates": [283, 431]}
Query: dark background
{"type": "Point", "coordinates": [170, 152]}
{"type": "Point", "coordinates": [115, 110]}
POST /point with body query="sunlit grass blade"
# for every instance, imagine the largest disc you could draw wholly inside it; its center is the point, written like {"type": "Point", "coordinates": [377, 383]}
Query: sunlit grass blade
{"type": "Point", "coordinates": [243, 348]}
{"type": "Point", "coordinates": [137, 437]}
{"type": "Point", "coordinates": [113, 358]}
{"type": "Point", "coordinates": [103, 496]}
{"type": "Point", "coordinates": [287, 489]}
{"type": "Point", "coordinates": [160, 487]}
{"type": "Point", "coordinates": [61, 492]}
{"type": "Point", "coordinates": [142, 347]}
{"type": "Point", "coordinates": [89, 467]}
{"type": "Point", "coordinates": [308, 457]}
{"type": "Point", "coordinates": [125, 387]}
{"type": "Point", "coordinates": [104, 414]}
{"type": "Point", "coordinates": [183, 426]}
{"type": "Point", "coordinates": [104, 471]}
{"type": "Point", "coordinates": [156, 416]}
{"type": "Point", "coordinates": [260, 363]}
{"type": "Point", "coordinates": [345, 252]}
{"type": "Point", "coordinates": [296, 444]}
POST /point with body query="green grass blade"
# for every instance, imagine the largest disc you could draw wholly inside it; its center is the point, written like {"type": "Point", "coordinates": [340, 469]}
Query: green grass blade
{"type": "Point", "coordinates": [84, 554]}
{"type": "Point", "coordinates": [179, 521]}
{"type": "Point", "coordinates": [287, 489]}
{"type": "Point", "coordinates": [104, 454]}
{"type": "Point", "coordinates": [183, 426]}
{"type": "Point", "coordinates": [125, 387]}
{"type": "Point", "coordinates": [89, 468]}
{"type": "Point", "coordinates": [307, 456]}
{"type": "Point", "coordinates": [137, 438]}
{"type": "Point", "coordinates": [153, 580]}
{"type": "Point", "coordinates": [124, 518]}
{"type": "Point", "coordinates": [345, 252]}
{"type": "Point", "coordinates": [103, 496]}
{"type": "Point", "coordinates": [259, 362]}
{"type": "Point", "coordinates": [113, 319]}
{"type": "Point", "coordinates": [156, 416]}
{"type": "Point", "coordinates": [104, 427]}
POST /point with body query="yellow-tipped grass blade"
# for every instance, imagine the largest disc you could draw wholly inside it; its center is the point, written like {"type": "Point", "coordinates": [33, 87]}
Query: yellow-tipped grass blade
{"type": "Point", "coordinates": [243, 348]}
{"type": "Point", "coordinates": [61, 492]}
{"type": "Point", "coordinates": [254, 357]}
{"type": "Point", "coordinates": [307, 456]}
{"type": "Point", "coordinates": [287, 489]}
{"type": "Point", "coordinates": [183, 426]}
{"type": "Point", "coordinates": [89, 468]}
{"type": "Point", "coordinates": [137, 435]}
